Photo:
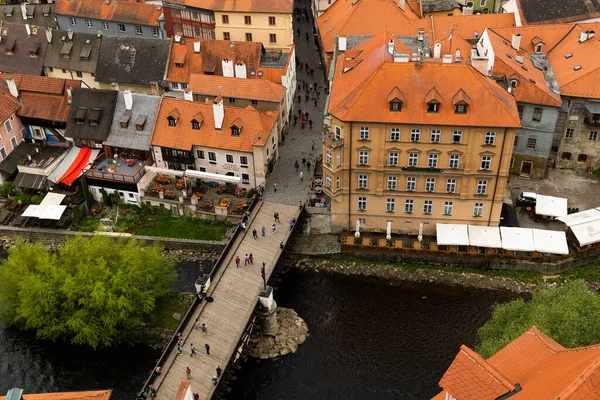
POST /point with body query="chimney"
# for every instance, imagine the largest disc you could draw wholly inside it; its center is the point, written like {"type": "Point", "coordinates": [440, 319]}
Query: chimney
{"type": "Point", "coordinates": [24, 10]}
{"type": "Point", "coordinates": [177, 38]}
{"type": "Point", "coordinates": [457, 56]}
{"type": "Point", "coordinates": [342, 43]}
{"type": "Point", "coordinates": [49, 35]}
{"type": "Point", "coordinates": [128, 98]}
{"type": "Point", "coordinates": [583, 36]}
{"type": "Point", "coordinates": [520, 56]}
{"type": "Point", "coordinates": [437, 50]}
{"type": "Point", "coordinates": [516, 41]}
{"type": "Point", "coordinates": [219, 112]}
{"type": "Point", "coordinates": [69, 95]}
{"type": "Point", "coordinates": [227, 68]}
{"type": "Point", "coordinates": [447, 59]}
{"type": "Point", "coordinates": [28, 29]}
{"type": "Point", "coordinates": [403, 58]}
{"type": "Point", "coordinates": [402, 4]}
{"type": "Point", "coordinates": [12, 86]}
{"type": "Point", "coordinates": [197, 47]}
{"type": "Point", "coordinates": [99, 34]}
{"type": "Point", "coordinates": [240, 70]}
{"type": "Point", "coordinates": [154, 89]}
{"type": "Point", "coordinates": [70, 34]}
{"type": "Point", "coordinates": [391, 47]}
{"type": "Point", "coordinates": [415, 57]}
{"type": "Point", "coordinates": [421, 35]}
{"type": "Point", "coordinates": [188, 95]}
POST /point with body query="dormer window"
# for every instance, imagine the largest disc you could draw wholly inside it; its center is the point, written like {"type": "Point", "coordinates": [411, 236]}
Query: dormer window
{"type": "Point", "coordinates": [94, 116]}
{"type": "Point", "coordinates": [140, 122]}
{"type": "Point", "coordinates": [538, 48]}
{"type": "Point", "coordinates": [395, 99]}
{"type": "Point", "coordinates": [433, 98]}
{"type": "Point", "coordinates": [433, 107]}
{"type": "Point", "coordinates": [236, 127]}
{"type": "Point", "coordinates": [461, 102]}
{"type": "Point", "coordinates": [235, 131]}
{"type": "Point", "coordinates": [197, 121]}
{"type": "Point", "coordinates": [33, 49]}
{"type": "Point", "coordinates": [173, 117]}
{"type": "Point", "coordinates": [514, 83]}
{"type": "Point", "coordinates": [8, 12]}
{"type": "Point", "coordinates": [80, 115]}
{"type": "Point", "coordinates": [179, 60]}
{"type": "Point", "coordinates": [395, 106]}
{"type": "Point", "coordinates": [172, 121]}
{"type": "Point", "coordinates": [124, 120]}
{"type": "Point", "coordinates": [10, 47]}
{"type": "Point", "coordinates": [195, 124]}
{"type": "Point", "coordinates": [460, 109]}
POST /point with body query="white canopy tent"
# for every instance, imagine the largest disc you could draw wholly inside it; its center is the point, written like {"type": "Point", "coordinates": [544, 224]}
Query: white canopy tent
{"type": "Point", "coordinates": [587, 233]}
{"type": "Point", "coordinates": [52, 199]}
{"type": "Point", "coordinates": [554, 242]}
{"type": "Point", "coordinates": [49, 208]}
{"type": "Point", "coordinates": [581, 217]}
{"type": "Point", "coordinates": [485, 236]}
{"type": "Point", "coordinates": [212, 177]}
{"type": "Point", "coordinates": [33, 211]}
{"type": "Point", "coordinates": [517, 239]}
{"type": "Point", "coordinates": [452, 234]}
{"type": "Point", "coordinates": [551, 206]}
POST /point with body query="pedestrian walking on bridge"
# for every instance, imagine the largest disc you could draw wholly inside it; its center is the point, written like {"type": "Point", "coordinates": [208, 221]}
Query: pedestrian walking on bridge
{"type": "Point", "coordinates": [188, 372]}
{"type": "Point", "coordinates": [192, 350]}
{"type": "Point", "coordinates": [207, 347]}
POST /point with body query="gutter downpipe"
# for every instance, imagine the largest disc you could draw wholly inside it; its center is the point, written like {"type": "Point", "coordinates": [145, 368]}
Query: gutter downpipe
{"type": "Point", "coordinates": [497, 176]}
{"type": "Point", "coordinates": [350, 182]}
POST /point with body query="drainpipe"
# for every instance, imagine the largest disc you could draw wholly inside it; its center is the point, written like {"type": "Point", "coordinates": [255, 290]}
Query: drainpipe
{"type": "Point", "coordinates": [497, 175]}
{"type": "Point", "coordinates": [350, 181]}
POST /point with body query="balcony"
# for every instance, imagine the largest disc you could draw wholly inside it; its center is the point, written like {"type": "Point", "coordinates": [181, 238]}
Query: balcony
{"type": "Point", "coordinates": [592, 120]}
{"type": "Point", "coordinates": [332, 142]}
{"type": "Point", "coordinates": [117, 169]}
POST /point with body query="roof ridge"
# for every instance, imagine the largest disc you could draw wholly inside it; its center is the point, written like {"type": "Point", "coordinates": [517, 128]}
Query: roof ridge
{"type": "Point", "coordinates": [581, 379]}
{"type": "Point", "coordinates": [365, 81]}
{"type": "Point", "coordinates": [481, 362]}
{"type": "Point", "coordinates": [561, 40]}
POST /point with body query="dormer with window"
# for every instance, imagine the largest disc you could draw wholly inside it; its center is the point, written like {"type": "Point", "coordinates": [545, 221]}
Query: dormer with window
{"type": "Point", "coordinates": [236, 127]}
{"type": "Point", "coordinates": [80, 115]}
{"type": "Point", "coordinates": [538, 45]}
{"type": "Point", "coordinates": [140, 122]}
{"type": "Point", "coordinates": [65, 50]}
{"type": "Point", "coordinates": [86, 51]}
{"type": "Point", "coordinates": [514, 80]}
{"type": "Point", "coordinates": [8, 11]}
{"type": "Point", "coordinates": [179, 60]}
{"type": "Point", "coordinates": [34, 48]}
{"type": "Point", "coordinates": [10, 47]}
{"type": "Point", "coordinates": [197, 121]}
{"type": "Point", "coordinates": [124, 120]}
{"type": "Point", "coordinates": [94, 116]}
{"type": "Point", "coordinates": [433, 99]}
{"type": "Point", "coordinates": [461, 102]}
{"type": "Point", "coordinates": [395, 99]}
{"type": "Point", "coordinates": [173, 117]}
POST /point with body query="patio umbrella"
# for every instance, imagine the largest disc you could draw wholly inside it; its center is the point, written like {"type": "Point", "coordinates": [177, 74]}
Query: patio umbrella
{"type": "Point", "coordinates": [420, 232]}
{"type": "Point", "coordinates": [389, 231]}
{"type": "Point", "coordinates": [357, 233]}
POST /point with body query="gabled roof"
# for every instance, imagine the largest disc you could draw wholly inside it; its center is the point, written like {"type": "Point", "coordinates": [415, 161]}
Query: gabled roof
{"type": "Point", "coordinates": [37, 14]}
{"type": "Point", "coordinates": [259, 6]}
{"type": "Point", "coordinates": [8, 103]}
{"type": "Point", "coordinates": [556, 11]}
{"type": "Point", "coordinates": [542, 368]}
{"type": "Point", "coordinates": [568, 55]}
{"type": "Point", "coordinates": [551, 34]}
{"type": "Point", "coordinates": [361, 93]}
{"type": "Point", "coordinates": [20, 59]}
{"type": "Point", "coordinates": [208, 60]}
{"type": "Point", "coordinates": [79, 54]}
{"type": "Point", "coordinates": [253, 89]}
{"type": "Point", "coordinates": [91, 395]}
{"type": "Point", "coordinates": [136, 61]}
{"type": "Point", "coordinates": [531, 87]}
{"type": "Point", "coordinates": [127, 11]}
{"type": "Point", "coordinates": [42, 97]}
{"type": "Point", "coordinates": [87, 102]}
{"type": "Point", "coordinates": [257, 127]}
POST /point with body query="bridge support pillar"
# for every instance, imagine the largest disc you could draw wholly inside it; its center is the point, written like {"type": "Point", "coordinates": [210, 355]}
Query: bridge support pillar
{"type": "Point", "coordinates": [268, 312]}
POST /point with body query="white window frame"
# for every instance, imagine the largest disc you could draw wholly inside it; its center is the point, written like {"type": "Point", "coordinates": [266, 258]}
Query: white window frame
{"type": "Point", "coordinates": [242, 160]}
{"type": "Point", "coordinates": [411, 184]}
{"type": "Point", "coordinates": [363, 157]}
{"type": "Point", "coordinates": [453, 161]}
{"type": "Point", "coordinates": [200, 154]}
{"type": "Point", "coordinates": [432, 160]}
{"type": "Point", "coordinates": [155, 32]}
{"type": "Point", "coordinates": [105, 26]}
{"type": "Point", "coordinates": [362, 204]}
{"type": "Point", "coordinates": [338, 132]}
{"type": "Point", "coordinates": [8, 125]}
{"type": "Point", "coordinates": [478, 210]}
{"type": "Point", "coordinates": [490, 139]}
{"type": "Point", "coordinates": [121, 27]}
{"type": "Point", "coordinates": [450, 185]}
{"type": "Point", "coordinates": [390, 205]}
{"type": "Point", "coordinates": [364, 133]}
{"type": "Point", "coordinates": [73, 21]}
{"type": "Point", "coordinates": [327, 157]}
{"type": "Point", "coordinates": [392, 183]}
{"type": "Point", "coordinates": [430, 185]}
{"type": "Point", "coordinates": [486, 163]}
{"type": "Point", "coordinates": [457, 137]}
{"type": "Point", "coordinates": [138, 30]}
{"type": "Point", "coordinates": [448, 207]}
{"type": "Point", "coordinates": [229, 158]}
{"type": "Point", "coordinates": [3, 153]}
{"type": "Point", "coordinates": [413, 159]}
{"type": "Point", "coordinates": [394, 134]}
{"type": "Point", "coordinates": [328, 181]}
{"type": "Point", "coordinates": [415, 135]}
{"type": "Point", "coordinates": [338, 183]}
{"type": "Point", "coordinates": [569, 133]}
{"type": "Point", "coordinates": [409, 206]}
{"type": "Point", "coordinates": [393, 158]}
{"type": "Point", "coordinates": [363, 181]}
{"type": "Point", "coordinates": [436, 136]}
{"type": "Point", "coordinates": [89, 23]}
{"type": "Point", "coordinates": [593, 136]}
{"type": "Point", "coordinates": [212, 156]}
{"type": "Point", "coordinates": [13, 142]}
{"type": "Point", "coordinates": [482, 187]}
{"type": "Point", "coordinates": [427, 207]}
{"type": "Point", "coordinates": [338, 159]}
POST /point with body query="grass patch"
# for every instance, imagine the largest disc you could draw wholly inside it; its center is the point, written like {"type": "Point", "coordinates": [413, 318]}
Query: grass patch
{"type": "Point", "coordinates": [589, 273]}
{"type": "Point", "coordinates": [162, 317]}
{"type": "Point", "coordinates": [87, 224]}
{"type": "Point", "coordinates": [184, 228]}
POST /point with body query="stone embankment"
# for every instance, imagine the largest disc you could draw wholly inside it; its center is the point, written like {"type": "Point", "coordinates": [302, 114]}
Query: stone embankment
{"type": "Point", "coordinates": [293, 331]}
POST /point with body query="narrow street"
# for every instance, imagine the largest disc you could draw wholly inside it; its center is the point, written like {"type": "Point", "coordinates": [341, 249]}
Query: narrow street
{"type": "Point", "coordinates": [299, 142]}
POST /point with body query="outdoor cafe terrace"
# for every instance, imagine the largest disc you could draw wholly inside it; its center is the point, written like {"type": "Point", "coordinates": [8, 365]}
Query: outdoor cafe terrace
{"type": "Point", "coordinates": [128, 169]}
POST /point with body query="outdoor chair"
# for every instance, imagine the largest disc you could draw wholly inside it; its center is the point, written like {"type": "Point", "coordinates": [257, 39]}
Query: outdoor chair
{"type": "Point", "coordinates": [433, 246]}
{"type": "Point", "coordinates": [382, 243]}
{"type": "Point", "coordinates": [417, 245]}
{"type": "Point", "coordinates": [366, 242]}
{"type": "Point", "coordinates": [398, 243]}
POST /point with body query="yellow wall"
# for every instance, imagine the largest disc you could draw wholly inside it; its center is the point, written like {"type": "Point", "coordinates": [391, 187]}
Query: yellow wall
{"type": "Point", "coordinates": [456, 11]}
{"type": "Point", "coordinates": [259, 28]}
{"type": "Point", "coordinates": [470, 151]}
{"type": "Point", "coordinates": [87, 78]}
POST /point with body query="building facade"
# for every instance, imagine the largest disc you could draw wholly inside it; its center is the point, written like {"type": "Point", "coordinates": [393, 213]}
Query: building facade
{"type": "Point", "coordinates": [414, 151]}
{"type": "Point", "coordinates": [188, 21]}
{"type": "Point", "coordinates": [271, 28]}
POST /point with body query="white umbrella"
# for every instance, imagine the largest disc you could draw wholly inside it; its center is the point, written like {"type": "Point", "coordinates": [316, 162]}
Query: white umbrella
{"type": "Point", "coordinates": [357, 233]}
{"type": "Point", "coordinates": [420, 232]}
{"type": "Point", "coordinates": [389, 231]}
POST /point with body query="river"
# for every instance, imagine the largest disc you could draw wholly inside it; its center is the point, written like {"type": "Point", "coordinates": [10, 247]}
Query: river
{"type": "Point", "coordinates": [368, 339]}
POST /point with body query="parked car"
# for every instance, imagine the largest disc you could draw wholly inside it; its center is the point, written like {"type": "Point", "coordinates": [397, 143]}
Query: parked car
{"type": "Point", "coordinates": [527, 199]}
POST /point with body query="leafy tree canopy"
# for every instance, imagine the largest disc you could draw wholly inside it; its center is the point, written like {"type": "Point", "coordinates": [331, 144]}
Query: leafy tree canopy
{"type": "Point", "coordinates": [94, 291]}
{"type": "Point", "coordinates": [569, 314]}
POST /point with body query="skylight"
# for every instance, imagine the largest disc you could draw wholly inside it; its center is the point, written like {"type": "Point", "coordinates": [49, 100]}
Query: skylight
{"type": "Point", "coordinates": [569, 55]}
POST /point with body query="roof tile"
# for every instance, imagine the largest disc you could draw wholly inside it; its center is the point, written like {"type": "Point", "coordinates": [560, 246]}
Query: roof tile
{"type": "Point", "coordinates": [128, 11]}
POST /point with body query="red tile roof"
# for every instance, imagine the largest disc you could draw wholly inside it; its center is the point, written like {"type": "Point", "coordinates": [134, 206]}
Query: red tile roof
{"type": "Point", "coordinates": [542, 368]}
{"type": "Point", "coordinates": [92, 395]}
{"type": "Point", "coordinates": [128, 11]}
{"type": "Point", "coordinates": [360, 94]}
{"type": "Point", "coordinates": [259, 6]}
{"type": "Point", "coordinates": [8, 103]}
{"type": "Point", "coordinates": [42, 97]}
{"type": "Point", "coordinates": [254, 89]}
{"type": "Point", "coordinates": [256, 128]}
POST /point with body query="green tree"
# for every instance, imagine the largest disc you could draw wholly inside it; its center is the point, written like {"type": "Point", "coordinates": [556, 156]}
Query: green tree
{"type": "Point", "coordinates": [89, 200]}
{"type": "Point", "coordinates": [569, 314]}
{"type": "Point", "coordinates": [96, 292]}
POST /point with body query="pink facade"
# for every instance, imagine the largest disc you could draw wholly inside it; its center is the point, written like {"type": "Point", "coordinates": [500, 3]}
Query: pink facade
{"type": "Point", "coordinates": [11, 135]}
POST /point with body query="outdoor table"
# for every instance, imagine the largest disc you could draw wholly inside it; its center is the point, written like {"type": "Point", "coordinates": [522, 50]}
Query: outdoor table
{"type": "Point", "coordinates": [157, 187]}
{"type": "Point", "coordinates": [196, 195]}
{"type": "Point", "coordinates": [225, 202]}
{"type": "Point", "coordinates": [180, 183]}
{"type": "Point", "coordinates": [169, 193]}
{"type": "Point", "coordinates": [220, 189]}
{"type": "Point", "coordinates": [240, 192]}
{"type": "Point", "coordinates": [163, 179]}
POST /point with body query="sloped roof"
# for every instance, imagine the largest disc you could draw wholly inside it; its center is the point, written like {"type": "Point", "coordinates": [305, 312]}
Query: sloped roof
{"type": "Point", "coordinates": [543, 369]}
{"type": "Point", "coordinates": [87, 101]}
{"type": "Point", "coordinates": [360, 94]}
{"type": "Point", "coordinates": [553, 11]}
{"type": "Point", "coordinates": [8, 103]}
{"type": "Point", "coordinates": [137, 61]}
{"type": "Point", "coordinates": [551, 34]}
{"type": "Point", "coordinates": [20, 60]}
{"type": "Point", "coordinates": [42, 97]}
{"type": "Point", "coordinates": [91, 395]}
{"type": "Point", "coordinates": [37, 14]}
{"type": "Point", "coordinates": [130, 138]}
{"type": "Point", "coordinates": [257, 127]}
{"type": "Point", "coordinates": [531, 87]}
{"type": "Point", "coordinates": [430, 6]}
{"type": "Point", "coordinates": [82, 51]}
{"type": "Point", "coordinates": [464, 26]}
{"type": "Point", "coordinates": [212, 52]}
{"type": "Point", "coordinates": [253, 89]}
{"type": "Point", "coordinates": [127, 11]}
{"type": "Point", "coordinates": [582, 82]}
{"type": "Point", "coordinates": [260, 6]}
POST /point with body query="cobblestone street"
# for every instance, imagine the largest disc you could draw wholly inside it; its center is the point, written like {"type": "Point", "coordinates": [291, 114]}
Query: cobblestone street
{"type": "Point", "coordinates": [299, 142]}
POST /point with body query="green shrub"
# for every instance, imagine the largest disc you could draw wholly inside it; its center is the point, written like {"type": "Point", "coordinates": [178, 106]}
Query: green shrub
{"type": "Point", "coordinates": [7, 189]}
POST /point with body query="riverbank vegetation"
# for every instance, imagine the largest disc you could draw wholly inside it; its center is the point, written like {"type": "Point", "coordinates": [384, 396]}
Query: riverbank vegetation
{"type": "Point", "coordinates": [568, 313]}
{"type": "Point", "coordinates": [96, 292]}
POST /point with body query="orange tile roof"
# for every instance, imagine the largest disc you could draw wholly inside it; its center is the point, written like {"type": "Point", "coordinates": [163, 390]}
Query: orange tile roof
{"type": "Point", "coordinates": [43, 97]}
{"type": "Point", "coordinates": [254, 89]}
{"type": "Point", "coordinates": [257, 127]}
{"type": "Point", "coordinates": [543, 369]}
{"type": "Point", "coordinates": [131, 11]}
{"type": "Point", "coordinates": [260, 6]}
{"type": "Point", "coordinates": [212, 52]}
{"type": "Point", "coordinates": [182, 391]}
{"type": "Point", "coordinates": [8, 103]}
{"type": "Point", "coordinates": [361, 93]}
{"type": "Point", "coordinates": [91, 395]}
{"type": "Point", "coordinates": [582, 82]}
{"type": "Point", "coordinates": [531, 87]}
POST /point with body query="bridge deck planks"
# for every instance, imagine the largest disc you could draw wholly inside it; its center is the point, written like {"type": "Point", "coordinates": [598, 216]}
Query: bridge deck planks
{"type": "Point", "coordinates": [235, 294]}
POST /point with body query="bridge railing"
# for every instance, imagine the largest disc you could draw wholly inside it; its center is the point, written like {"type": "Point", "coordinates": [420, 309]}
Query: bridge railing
{"type": "Point", "coordinates": [197, 300]}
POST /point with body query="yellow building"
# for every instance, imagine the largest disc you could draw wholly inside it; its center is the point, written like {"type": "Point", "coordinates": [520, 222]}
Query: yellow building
{"type": "Point", "coordinates": [415, 142]}
{"type": "Point", "coordinates": [268, 22]}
